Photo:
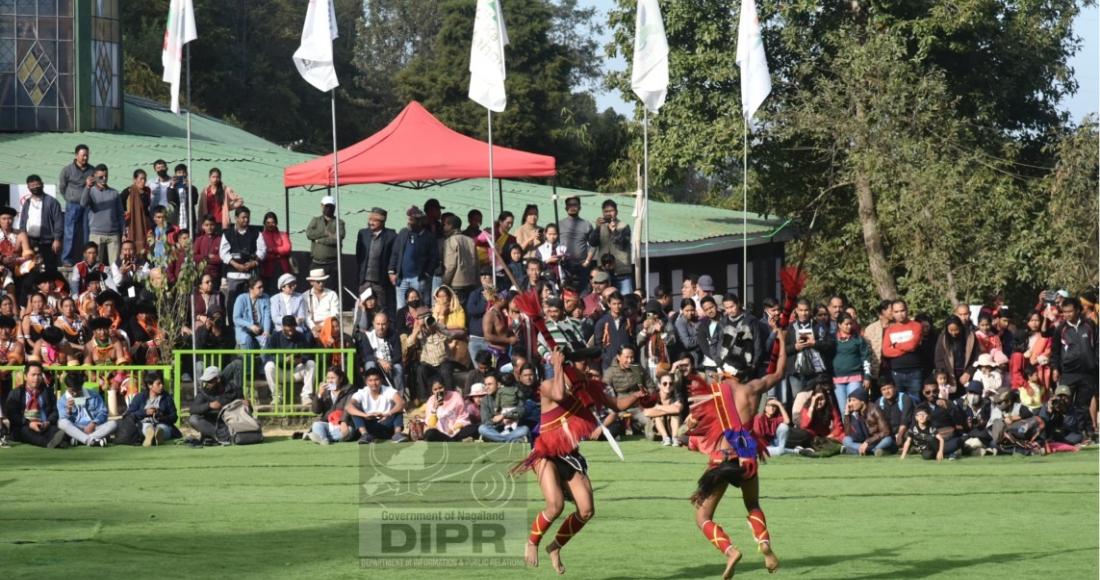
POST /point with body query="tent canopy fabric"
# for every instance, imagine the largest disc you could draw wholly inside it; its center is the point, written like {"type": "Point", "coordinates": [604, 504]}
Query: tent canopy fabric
{"type": "Point", "coordinates": [416, 147]}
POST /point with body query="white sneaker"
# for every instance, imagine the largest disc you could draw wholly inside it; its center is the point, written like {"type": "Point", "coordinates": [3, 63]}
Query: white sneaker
{"type": "Point", "coordinates": [666, 441]}
{"type": "Point", "coordinates": [314, 437]}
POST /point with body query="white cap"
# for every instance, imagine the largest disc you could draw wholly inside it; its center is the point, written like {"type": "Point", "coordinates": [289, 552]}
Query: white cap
{"type": "Point", "coordinates": [328, 200]}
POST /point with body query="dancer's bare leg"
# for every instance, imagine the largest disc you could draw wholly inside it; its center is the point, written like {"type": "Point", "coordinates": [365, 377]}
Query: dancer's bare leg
{"type": "Point", "coordinates": [750, 493]}
{"type": "Point", "coordinates": [581, 489]}
{"type": "Point", "coordinates": [555, 500]}
{"type": "Point", "coordinates": [704, 518]}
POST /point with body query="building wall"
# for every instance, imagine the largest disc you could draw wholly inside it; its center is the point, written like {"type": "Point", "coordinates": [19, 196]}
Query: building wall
{"type": "Point", "coordinates": [726, 268]}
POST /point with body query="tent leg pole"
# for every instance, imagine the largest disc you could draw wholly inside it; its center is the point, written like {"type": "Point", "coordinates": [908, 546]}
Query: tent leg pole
{"type": "Point", "coordinates": [500, 194]}
{"type": "Point", "coordinates": [554, 188]}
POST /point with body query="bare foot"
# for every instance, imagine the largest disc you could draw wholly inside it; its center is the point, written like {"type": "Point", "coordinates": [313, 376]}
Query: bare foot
{"type": "Point", "coordinates": [531, 555]}
{"type": "Point", "coordinates": [733, 556]}
{"type": "Point", "coordinates": [554, 550]}
{"type": "Point", "coordinates": [771, 561]}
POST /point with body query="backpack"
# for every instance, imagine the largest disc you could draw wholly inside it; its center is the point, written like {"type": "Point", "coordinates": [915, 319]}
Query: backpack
{"type": "Point", "coordinates": [243, 428]}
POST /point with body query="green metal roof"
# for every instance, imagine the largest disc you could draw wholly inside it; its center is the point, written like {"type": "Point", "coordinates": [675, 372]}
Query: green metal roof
{"type": "Point", "coordinates": [254, 168]}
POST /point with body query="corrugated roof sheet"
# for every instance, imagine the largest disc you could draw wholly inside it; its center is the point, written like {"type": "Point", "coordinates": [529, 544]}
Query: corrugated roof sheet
{"type": "Point", "coordinates": [254, 168]}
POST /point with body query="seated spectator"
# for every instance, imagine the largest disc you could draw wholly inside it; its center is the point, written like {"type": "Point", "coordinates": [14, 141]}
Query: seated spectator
{"type": "Point", "coordinates": [31, 410]}
{"type": "Point", "coordinates": [78, 279]}
{"type": "Point", "coordinates": [626, 378]}
{"type": "Point", "coordinates": [36, 319]}
{"type": "Point", "coordinates": [217, 388]}
{"type": "Point", "coordinates": [288, 302]}
{"type": "Point", "coordinates": [323, 310]}
{"type": "Point", "coordinates": [1006, 411]}
{"type": "Point", "coordinates": [381, 348]}
{"type": "Point", "coordinates": [866, 431]}
{"type": "Point", "coordinates": [51, 349]}
{"type": "Point", "coordinates": [594, 305]}
{"type": "Point", "coordinates": [1033, 394]}
{"type": "Point", "coordinates": [500, 412]}
{"type": "Point", "coordinates": [483, 366]}
{"type": "Point", "coordinates": [213, 334]}
{"type": "Point", "coordinates": [129, 269]}
{"type": "Point", "coordinates": [290, 338]}
{"type": "Point", "coordinates": [448, 311]}
{"type": "Point", "coordinates": [333, 423]}
{"type": "Point", "coordinates": [773, 425]}
{"type": "Point", "coordinates": [82, 415]}
{"type": "Point", "coordinates": [86, 300]}
{"type": "Point", "coordinates": [925, 439]}
{"type": "Point", "coordinates": [377, 410]}
{"type": "Point", "coordinates": [1064, 423]}
{"type": "Point", "coordinates": [446, 415]}
{"type": "Point", "coordinates": [976, 410]}
{"type": "Point", "coordinates": [820, 427]}
{"type": "Point", "coordinates": [252, 317]}
{"type": "Point", "coordinates": [988, 375]}
{"type": "Point", "coordinates": [406, 315]}
{"type": "Point", "coordinates": [665, 416]}
{"type": "Point", "coordinates": [71, 324]}
{"type": "Point", "coordinates": [364, 313]}
{"type": "Point", "coordinates": [145, 335]}
{"type": "Point", "coordinates": [897, 410]}
{"type": "Point", "coordinates": [155, 410]}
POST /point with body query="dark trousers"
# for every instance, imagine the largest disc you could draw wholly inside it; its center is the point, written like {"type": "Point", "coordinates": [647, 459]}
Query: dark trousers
{"type": "Point", "coordinates": [1084, 387]}
{"type": "Point", "coordinates": [234, 287]}
{"type": "Point", "coordinates": [950, 445]}
{"type": "Point", "coordinates": [45, 250]}
{"type": "Point", "coordinates": [209, 429]}
{"type": "Point", "coordinates": [379, 429]}
{"type": "Point", "coordinates": [36, 438]}
{"type": "Point", "coordinates": [437, 435]}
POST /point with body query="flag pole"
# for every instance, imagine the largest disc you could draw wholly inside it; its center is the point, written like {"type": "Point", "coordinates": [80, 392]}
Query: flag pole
{"type": "Point", "coordinates": [339, 243]}
{"type": "Point", "coordinates": [745, 213]}
{"type": "Point", "coordinates": [645, 195]}
{"type": "Point", "coordinates": [492, 205]}
{"type": "Point", "coordinates": [186, 202]}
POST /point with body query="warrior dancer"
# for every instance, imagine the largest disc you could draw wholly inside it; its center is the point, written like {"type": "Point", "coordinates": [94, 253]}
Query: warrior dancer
{"type": "Point", "coordinates": [562, 471]}
{"type": "Point", "coordinates": [723, 414]}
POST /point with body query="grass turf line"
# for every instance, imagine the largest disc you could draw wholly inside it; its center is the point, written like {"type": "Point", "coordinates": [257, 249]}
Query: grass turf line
{"type": "Point", "coordinates": [286, 509]}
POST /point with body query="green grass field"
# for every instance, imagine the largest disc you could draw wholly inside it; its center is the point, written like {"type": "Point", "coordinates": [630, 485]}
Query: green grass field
{"type": "Point", "coordinates": [286, 509]}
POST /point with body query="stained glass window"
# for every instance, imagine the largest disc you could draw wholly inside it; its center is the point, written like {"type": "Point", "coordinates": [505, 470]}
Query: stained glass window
{"type": "Point", "coordinates": [36, 66]}
{"type": "Point", "coordinates": [106, 84]}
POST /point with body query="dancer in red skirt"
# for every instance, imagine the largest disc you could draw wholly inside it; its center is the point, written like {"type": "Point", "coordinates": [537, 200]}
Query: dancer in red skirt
{"type": "Point", "coordinates": [722, 413]}
{"type": "Point", "coordinates": [567, 419]}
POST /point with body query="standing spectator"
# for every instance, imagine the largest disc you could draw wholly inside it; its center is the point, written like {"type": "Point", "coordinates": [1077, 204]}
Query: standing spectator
{"type": "Point", "coordinates": [705, 287]}
{"type": "Point", "coordinates": [805, 356]}
{"type": "Point", "coordinates": [500, 338]}
{"type": "Point", "coordinates": [611, 237]}
{"type": "Point", "coordinates": [31, 410]}
{"type": "Point", "coordinates": [322, 310]}
{"type": "Point", "coordinates": [137, 211]}
{"type": "Point", "coordinates": [276, 260]}
{"type": "Point", "coordinates": [529, 234]}
{"type": "Point", "coordinates": [187, 203]}
{"type": "Point", "coordinates": [380, 348]}
{"type": "Point", "coordinates": [957, 352]}
{"type": "Point", "coordinates": [155, 411]}
{"type": "Point", "coordinates": [252, 317]}
{"type": "Point", "coordinates": [288, 302]}
{"type": "Point", "coordinates": [217, 388]}
{"type": "Point", "coordinates": [473, 224]}
{"type": "Point", "coordinates": [82, 413]}
{"type": "Point", "coordinates": [504, 239]}
{"type": "Point", "coordinates": [218, 199]}
{"type": "Point", "coordinates": [241, 251]}
{"type": "Point", "coordinates": [553, 253]}
{"type": "Point", "coordinates": [447, 417]}
{"type": "Point", "coordinates": [773, 425]}
{"type": "Point", "coordinates": [898, 410]}
{"type": "Point", "coordinates": [988, 339]}
{"type": "Point", "coordinates": [1038, 348]}
{"type": "Point", "coordinates": [71, 183]}
{"type": "Point", "coordinates": [206, 248]}
{"type": "Point", "coordinates": [874, 334]}
{"type": "Point", "coordinates": [323, 232]}
{"type": "Point", "coordinates": [415, 253]}
{"type": "Point", "coordinates": [288, 337]}
{"type": "Point", "coordinates": [901, 340]}
{"type": "Point", "coordinates": [851, 361]}
{"type": "Point", "coordinates": [161, 192]}
{"type": "Point", "coordinates": [1073, 356]}
{"type": "Point", "coordinates": [333, 423]}
{"type": "Point", "coordinates": [373, 249]}
{"type": "Point", "coordinates": [41, 219]}
{"type": "Point", "coordinates": [575, 232]}
{"type": "Point", "coordinates": [104, 214]}
{"type": "Point", "coordinates": [687, 341]}
{"type": "Point", "coordinates": [866, 431]}
{"type": "Point", "coordinates": [613, 331]}
{"type": "Point", "coordinates": [477, 304]}
{"type": "Point", "coordinates": [460, 265]}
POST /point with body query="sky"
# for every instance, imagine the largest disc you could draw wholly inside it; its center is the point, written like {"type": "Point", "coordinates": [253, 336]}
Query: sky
{"type": "Point", "coordinates": [1086, 65]}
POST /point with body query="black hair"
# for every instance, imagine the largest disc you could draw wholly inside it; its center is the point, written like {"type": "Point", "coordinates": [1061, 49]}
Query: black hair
{"type": "Point", "coordinates": [160, 162]}
{"type": "Point", "coordinates": [90, 246]}
{"type": "Point", "coordinates": [530, 209]}
{"type": "Point", "coordinates": [660, 292]}
{"type": "Point", "coordinates": [709, 298]}
{"type": "Point", "coordinates": [609, 203]}
{"type": "Point", "coordinates": [33, 178]}
{"type": "Point", "coordinates": [684, 303]}
{"type": "Point", "coordinates": [79, 147]}
{"type": "Point", "coordinates": [1072, 301]}
{"type": "Point", "coordinates": [101, 167]}
{"type": "Point", "coordinates": [180, 167]}
{"type": "Point", "coordinates": [289, 320]}
{"type": "Point", "coordinates": [271, 215]}
{"type": "Point", "coordinates": [885, 305]}
{"type": "Point", "coordinates": [452, 221]}
{"type": "Point", "coordinates": [242, 209]}
{"type": "Point", "coordinates": [151, 377]}
{"type": "Point", "coordinates": [140, 172]}
{"type": "Point", "coordinates": [74, 381]}
{"type": "Point", "coordinates": [770, 302]}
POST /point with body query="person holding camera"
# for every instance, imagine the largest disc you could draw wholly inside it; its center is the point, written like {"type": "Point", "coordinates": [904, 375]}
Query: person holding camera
{"type": "Point", "coordinates": [155, 411]}
{"type": "Point", "coordinates": [218, 388]}
{"type": "Point", "coordinates": [611, 237]}
{"type": "Point", "coordinates": [447, 419]}
{"type": "Point", "coordinates": [82, 415]}
{"type": "Point", "coordinates": [105, 219]}
{"type": "Point", "coordinates": [431, 336]}
{"type": "Point", "coordinates": [129, 269]}
{"type": "Point", "coordinates": [241, 251]}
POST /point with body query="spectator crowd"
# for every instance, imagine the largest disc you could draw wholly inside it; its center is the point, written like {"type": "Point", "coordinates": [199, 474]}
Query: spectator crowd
{"type": "Point", "coordinates": [445, 352]}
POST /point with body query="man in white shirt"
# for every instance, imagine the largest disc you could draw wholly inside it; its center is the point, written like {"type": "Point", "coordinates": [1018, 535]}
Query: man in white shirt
{"type": "Point", "coordinates": [376, 410]}
{"type": "Point", "coordinates": [323, 310]}
{"type": "Point", "coordinates": [289, 303]}
{"type": "Point", "coordinates": [242, 249]}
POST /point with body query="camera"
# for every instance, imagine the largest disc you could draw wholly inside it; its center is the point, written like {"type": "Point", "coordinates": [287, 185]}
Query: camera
{"type": "Point", "coordinates": [429, 320]}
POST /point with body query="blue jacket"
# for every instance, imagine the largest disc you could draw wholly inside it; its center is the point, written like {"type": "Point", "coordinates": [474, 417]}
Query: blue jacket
{"type": "Point", "coordinates": [427, 254]}
{"type": "Point", "coordinates": [166, 408]}
{"type": "Point", "coordinates": [242, 320]}
{"type": "Point", "coordinates": [93, 411]}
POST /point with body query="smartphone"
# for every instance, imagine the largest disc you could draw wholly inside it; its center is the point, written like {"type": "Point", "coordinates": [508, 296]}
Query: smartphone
{"type": "Point", "coordinates": [79, 401]}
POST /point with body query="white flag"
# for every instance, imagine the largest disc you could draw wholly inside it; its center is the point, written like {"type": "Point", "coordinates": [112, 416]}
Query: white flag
{"type": "Point", "coordinates": [649, 75]}
{"type": "Point", "coordinates": [487, 56]}
{"type": "Point", "coordinates": [314, 55]}
{"type": "Point", "coordinates": [756, 82]}
{"type": "Point", "coordinates": [179, 31]}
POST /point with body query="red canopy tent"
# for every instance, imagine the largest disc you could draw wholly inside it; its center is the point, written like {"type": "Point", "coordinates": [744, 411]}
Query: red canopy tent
{"type": "Point", "coordinates": [417, 150]}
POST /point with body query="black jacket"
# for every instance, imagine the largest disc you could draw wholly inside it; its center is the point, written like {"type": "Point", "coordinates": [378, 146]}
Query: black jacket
{"type": "Point", "coordinates": [53, 219]}
{"type": "Point", "coordinates": [431, 258]}
{"type": "Point", "coordinates": [1073, 350]}
{"type": "Point", "coordinates": [14, 407]}
{"type": "Point", "coordinates": [323, 404]}
{"type": "Point", "coordinates": [366, 351]}
{"type": "Point", "coordinates": [362, 252]}
{"type": "Point", "coordinates": [201, 405]}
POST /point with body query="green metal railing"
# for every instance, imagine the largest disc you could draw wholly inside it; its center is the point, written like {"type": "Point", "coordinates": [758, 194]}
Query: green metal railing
{"type": "Point", "coordinates": [288, 369]}
{"type": "Point", "coordinates": [134, 373]}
